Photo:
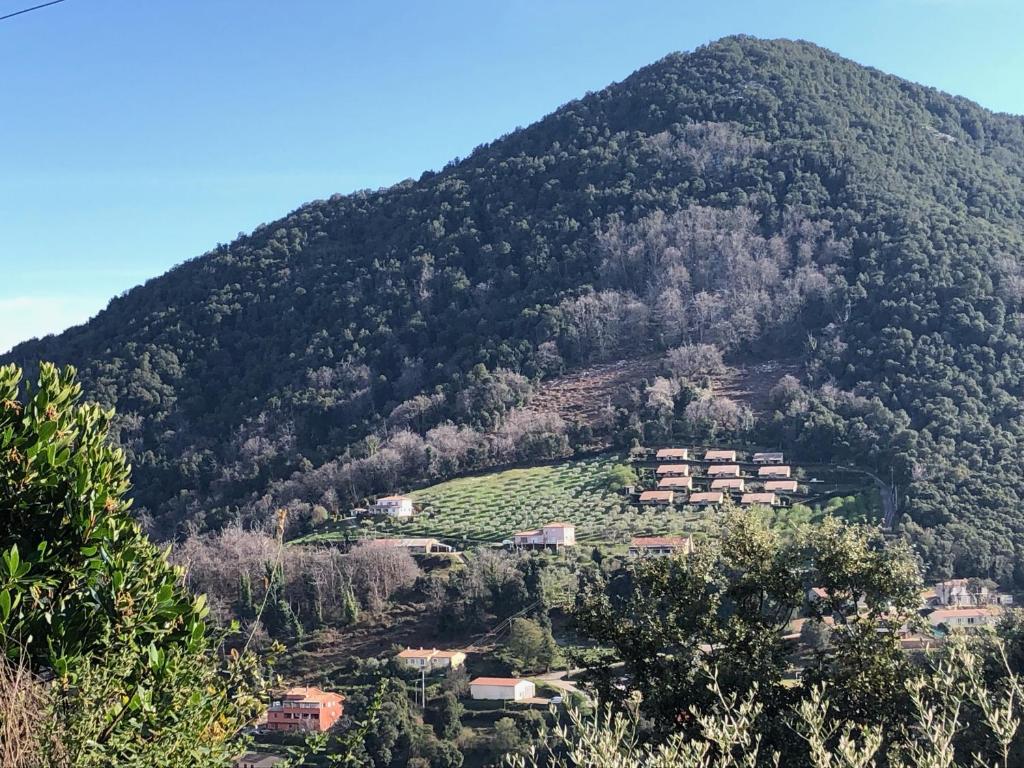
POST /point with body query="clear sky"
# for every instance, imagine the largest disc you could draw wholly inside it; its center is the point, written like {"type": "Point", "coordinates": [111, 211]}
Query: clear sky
{"type": "Point", "coordinates": [135, 134]}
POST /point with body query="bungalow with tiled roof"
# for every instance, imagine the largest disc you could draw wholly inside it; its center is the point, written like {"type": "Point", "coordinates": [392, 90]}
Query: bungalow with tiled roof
{"type": "Point", "coordinates": [660, 546]}
{"type": "Point", "coordinates": [778, 472]}
{"type": "Point", "coordinates": [768, 499]}
{"type": "Point", "coordinates": [719, 455]}
{"type": "Point", "coordinates": [707, 498]}
{"type": "Point", "coordinates": [781, 486]}
{"type": "Point", "coordinates": [675, 483]}
{"type": "Point", "coordinates": [724, 470]}
{"type": "Point", "coordinates": [673, 470]}
{"type": "Point", "coordinates": [728, 484]}
{"type": "Point", "coordinates": [657, 498]}
{"type": "Point", "coordinates": [672, 454]}
{"type": "Point", "coordinates": [768, 457]}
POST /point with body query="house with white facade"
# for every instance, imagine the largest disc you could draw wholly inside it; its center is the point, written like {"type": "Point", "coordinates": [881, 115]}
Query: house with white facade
{"type": "Point", "coordinates": [549, 536]}
{"type": "Point", "coordinates": [393, 506]}
{"type": "Point", "coordinates": [501, 689]}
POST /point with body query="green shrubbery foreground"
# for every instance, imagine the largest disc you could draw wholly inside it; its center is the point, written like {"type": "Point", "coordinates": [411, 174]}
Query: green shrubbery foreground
{"type": "Point", "coordinates": [107, 658]}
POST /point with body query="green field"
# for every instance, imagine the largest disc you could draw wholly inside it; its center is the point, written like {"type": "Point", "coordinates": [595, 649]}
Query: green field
{"type": "Point", "coordinates": [492, 507]}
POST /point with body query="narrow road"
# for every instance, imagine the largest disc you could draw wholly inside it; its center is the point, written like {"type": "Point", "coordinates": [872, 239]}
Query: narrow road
{"type": "Point", "coordinates": [886, 495]}
{"type": "Point", "coordinates": [557, 679]}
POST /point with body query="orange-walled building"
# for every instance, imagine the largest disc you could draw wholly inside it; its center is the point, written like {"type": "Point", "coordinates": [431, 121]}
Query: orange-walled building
{"type": "Point", "coordinates": [304, 709]}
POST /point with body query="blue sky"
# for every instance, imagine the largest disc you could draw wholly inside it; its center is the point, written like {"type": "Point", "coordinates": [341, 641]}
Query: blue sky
{"type": "Point", "coordinates": [138, 133]}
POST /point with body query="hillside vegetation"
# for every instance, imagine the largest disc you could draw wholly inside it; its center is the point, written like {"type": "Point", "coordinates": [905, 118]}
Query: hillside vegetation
{"type": "Point", "coordinates": [755, 200]}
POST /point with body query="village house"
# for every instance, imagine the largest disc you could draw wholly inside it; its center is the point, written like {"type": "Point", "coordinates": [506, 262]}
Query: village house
{"type": "Point", "coordinates": [964, 618]}
{"type": "Point", "coordinates": [672, 454]}
{"type": "Point", "coordinates": [660, 546]}
{"type": "Point", "coordinates": [393, 506]}
{"type": "Point", "coordinates": [719, 455]}
{"type": "Point", "coordinates": [657, 498]}
{"type": "Point", "coordinates": [415, 546]}
{"type": "Point", "coordinates": [673, 470]}
{"type": "Point", "coordinates": [431, 659]}
{"type": "Point", "coordinates": [728, 484]}
{"type": "Point", "coordinates": [768, 499]}
{"type": "Point", "coordinates": [304, 709]}
{"type": "Point", "coordinates": [968, 592]}
{"type": "Point", "coordinates": [768, 457]}
{"type": "Point", "coordinates": [778, 472]}
{"type": "Point", "coordinates": [551, 536]}
{"type": "Point", "coordinates": [258, 760]}
{"type": "Point", "coordinates": [501, 689]}
{"type": "Point", "coordinates": [706, 498]}
{"type": "Point", "coordinates": [724, 470]}
{"type": "Point", "coordinates": [782, 486]}
{"type": "Point", "coordinates": [675, 483]}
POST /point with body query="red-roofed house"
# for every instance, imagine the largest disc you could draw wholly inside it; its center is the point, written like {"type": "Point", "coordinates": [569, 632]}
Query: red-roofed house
{"type": "Point", "coordinates": [660, 546]}
{"type": "Point", "coordinates": [768, 499]}
{"type": "Point", "coordinates": [304, 709]}
{"type": "Point", "coordinates": [779, 472]}
{"type": "Point", "coordinates": [661, 498]}
{"type": "Point", "coordinates": [724, 470]}
{"type": "Point", "coordinates": [716, 455]}
{"type": "Point", "coordinates": [672, 470]}
{"type": "Point", "coordinates": [784, 486]}
{"type": "Point", "coordinates": [501, 688]}
{"type": "Point", "coordinates": [675, 483]}
{"type": "Point", "coordinates": [706, 498]}
{"type": "Point", "coordinates": [727, 484]}
{"type": "Point", "coordinates": [671, 454]}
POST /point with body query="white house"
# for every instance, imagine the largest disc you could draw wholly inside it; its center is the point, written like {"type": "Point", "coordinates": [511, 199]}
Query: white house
{"type": "Point", "coordinates": [965, 592]}
{"type": "Point", "coordinates": [965, 618]}
{"type": "Point", "coordinates": [768, 457]}
{"type": "Point", "coordinates": [431, 658]}
{"type": "Point", "coordinates": [553, 535]}
{"type": "Point", "coordinates": [501, 689]}
{"type": "Point", "coordinates": [394, 506]}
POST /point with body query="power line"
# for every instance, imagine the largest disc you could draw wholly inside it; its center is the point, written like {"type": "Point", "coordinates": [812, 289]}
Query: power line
{"type": "Point", "coordinates": [27, 10]}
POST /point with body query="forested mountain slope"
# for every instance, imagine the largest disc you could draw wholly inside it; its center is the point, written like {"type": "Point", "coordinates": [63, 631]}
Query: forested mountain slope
{"type": "Point", "coordinates": [766, 197]}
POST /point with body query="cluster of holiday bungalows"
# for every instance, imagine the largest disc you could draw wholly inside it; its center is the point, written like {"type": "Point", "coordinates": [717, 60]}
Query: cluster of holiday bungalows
{"type": "Point", "coordinates": [724, 478]}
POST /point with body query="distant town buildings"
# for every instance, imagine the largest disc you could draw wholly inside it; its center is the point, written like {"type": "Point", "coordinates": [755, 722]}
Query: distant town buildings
{"type": "Point", "coordinates": [393, 506]}
{"type": "Point", "coordinates": [304, 709]}
{"type": "Point", "coordinates": [431, 659]}
{"type": "Point", "coordinates": [501, 689]}
{"type": "Point", "coordinates": [550, 536]}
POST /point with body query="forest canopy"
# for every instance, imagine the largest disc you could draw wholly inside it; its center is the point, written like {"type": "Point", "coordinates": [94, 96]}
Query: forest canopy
{"type": "Point", "coordinates": [768, 199]}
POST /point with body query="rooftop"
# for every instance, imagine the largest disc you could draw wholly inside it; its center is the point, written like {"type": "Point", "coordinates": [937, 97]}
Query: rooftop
{"type": "Point", "coordinates": [506, 681]}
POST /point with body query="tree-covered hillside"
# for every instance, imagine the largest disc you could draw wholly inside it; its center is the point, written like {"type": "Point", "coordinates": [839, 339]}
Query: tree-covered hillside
{"type": "Point", "coordinates": [768, 198]}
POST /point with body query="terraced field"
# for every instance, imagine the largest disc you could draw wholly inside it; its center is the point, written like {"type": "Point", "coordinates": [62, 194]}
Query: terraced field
{"type": "Point", "coordinates": [491, 507]}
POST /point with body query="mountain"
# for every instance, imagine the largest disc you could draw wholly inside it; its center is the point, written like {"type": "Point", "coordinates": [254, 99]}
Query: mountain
{"type": "Point", "coordinates": [756, 199]}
